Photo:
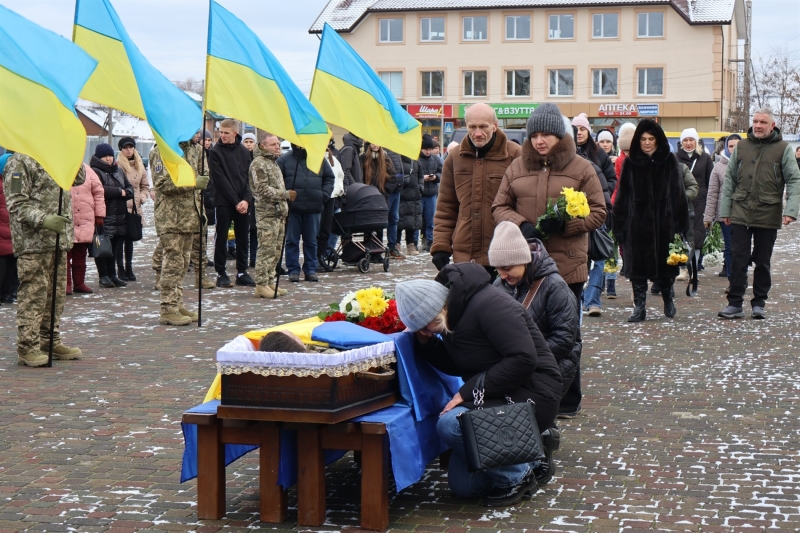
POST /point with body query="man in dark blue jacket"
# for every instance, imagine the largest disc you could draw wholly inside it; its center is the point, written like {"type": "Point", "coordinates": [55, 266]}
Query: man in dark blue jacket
{"type": "Point", "coordinates": [313, 189]}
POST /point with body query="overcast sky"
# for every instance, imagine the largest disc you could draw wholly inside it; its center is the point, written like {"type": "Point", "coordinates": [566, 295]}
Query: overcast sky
{"type": "Point", "coordinates": [172, 33]}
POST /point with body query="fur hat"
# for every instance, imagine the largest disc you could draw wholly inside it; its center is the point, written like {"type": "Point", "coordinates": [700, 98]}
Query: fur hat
{"type": "Point", "coordinates": [419, 301]}
{"type": "Point", "coordinates": [546, 119]}
{"type": "Point", "coordinates": [582, 120]}
{"type": "Point", "coordinates": [508, 246]}
{"type": "Point", "coordinates": [626, 135]}
{"type": "Point", "coordinates": [102, 150]}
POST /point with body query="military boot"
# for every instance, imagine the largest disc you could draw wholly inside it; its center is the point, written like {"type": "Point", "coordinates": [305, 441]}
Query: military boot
{"type": "Point", "coordinates": [262, 291]}
{"type": "Point", "coordinates": [62, 352]}
{"type": "Point", "coordinates": [34, 358]}
{"type": "Point", "coordinates": [174, 319]}
{"type": "Point", "coordinates": [186, 312]}
{"type": "Point", "coordinates": [281, 292]}
{"type": "Point", "coordinates": [207, 283]}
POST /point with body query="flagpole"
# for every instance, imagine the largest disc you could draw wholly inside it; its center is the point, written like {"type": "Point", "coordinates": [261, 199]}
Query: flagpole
{"type": "Point", "coordinates": [54, 287]}
{"type": "Point", "coordinates": [203, 236]}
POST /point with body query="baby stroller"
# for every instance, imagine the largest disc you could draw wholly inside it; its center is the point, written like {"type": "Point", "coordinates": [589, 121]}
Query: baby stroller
{"type": "Point", "coordinates": [364, 212]}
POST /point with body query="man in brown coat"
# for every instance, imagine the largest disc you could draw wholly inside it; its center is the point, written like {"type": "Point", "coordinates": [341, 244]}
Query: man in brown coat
{"type": "Point", "coordinates": [463, 223]}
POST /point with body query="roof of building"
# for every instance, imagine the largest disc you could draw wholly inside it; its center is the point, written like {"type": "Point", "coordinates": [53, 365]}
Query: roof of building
{"type": "Point", "coordinates": [124, 125]}
{"type": "Point", "coordinates": [344, 15]}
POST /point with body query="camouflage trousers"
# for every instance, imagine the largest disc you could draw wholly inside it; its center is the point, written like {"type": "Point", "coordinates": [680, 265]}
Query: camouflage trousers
{"type": "Point", "coordinates": [270, 239]}
{"type": "Point", "coordinates": [176, 250]}
{"type": "Point", "coordinates": [35, 297]}
{"type": "Point", "coordinates": [197, 255]}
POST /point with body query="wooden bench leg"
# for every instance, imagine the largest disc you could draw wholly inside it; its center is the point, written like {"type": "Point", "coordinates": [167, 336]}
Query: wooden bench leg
{"type": "Point", "coordinates": [310, 478]}
{"type": "Point", "coordinates": [273, 496]}
{"type": "Point", "coordinates": [210, 472]}
{"type": "Point", "coordinates": [374, 482]}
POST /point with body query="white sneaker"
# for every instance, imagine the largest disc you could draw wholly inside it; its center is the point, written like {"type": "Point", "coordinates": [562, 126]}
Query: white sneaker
{"type": "Point", "coordinates": [683, 276]}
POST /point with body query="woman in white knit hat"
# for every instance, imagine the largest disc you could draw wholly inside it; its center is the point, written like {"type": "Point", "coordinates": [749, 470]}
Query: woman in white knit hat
{"type": "Point", "coordinates": [466, 327]}
{"type": "Point", "coordinates": [692, 154]}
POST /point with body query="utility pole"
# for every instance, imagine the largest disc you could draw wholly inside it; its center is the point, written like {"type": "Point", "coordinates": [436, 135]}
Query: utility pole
{"type": "Point", "coordinates": [110, 121]}
{"type": "Point", "coordinates": [441, 127]}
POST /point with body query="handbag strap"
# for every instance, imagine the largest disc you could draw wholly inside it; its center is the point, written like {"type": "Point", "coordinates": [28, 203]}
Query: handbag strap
{"type": "Point", "coordinates": [478, 391]}
{"type": "Point", "coordinates": [532, 293]}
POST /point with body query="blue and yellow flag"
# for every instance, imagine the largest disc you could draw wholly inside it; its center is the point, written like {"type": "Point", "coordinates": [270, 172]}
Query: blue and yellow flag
{"type": "Point", "coordinates": [349, 94]}
{"type": "Point", "coordinates": [125, 80]}
{"type": "Point", "coordinates": [41, 74]}
{"type": "Point", "coordinates": [245, 81]}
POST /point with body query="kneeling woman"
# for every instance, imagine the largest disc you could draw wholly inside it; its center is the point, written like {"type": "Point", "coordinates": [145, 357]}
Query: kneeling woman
{"type": "Point", "coordinates": [464, 327]}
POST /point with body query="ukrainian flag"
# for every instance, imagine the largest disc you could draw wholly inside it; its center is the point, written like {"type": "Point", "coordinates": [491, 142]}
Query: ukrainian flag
{"type": "Point", "coordinates": [245, 81]}
{"type": "Point", "coordinates": [349, 94]}
{"type": "Point", "coordinates": [125, 80]}
{"type": "Point", "coordinates": [41, 74]}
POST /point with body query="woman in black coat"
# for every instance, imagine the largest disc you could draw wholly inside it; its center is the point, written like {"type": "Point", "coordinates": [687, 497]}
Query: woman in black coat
{"type": "Point", "coordinates": [524, 264]}
{"type": "Point", "coordinates": [471, 328]}
{"type": "Point", "coordinates": [118, 191]}
{"type": "Point", "coordinates": [410, 219]}
{"type": "Point", "coordinates": [650, 208]}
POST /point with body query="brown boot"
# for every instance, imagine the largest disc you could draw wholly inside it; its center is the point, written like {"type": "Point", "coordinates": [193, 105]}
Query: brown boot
{"type": "Point", "coordinates": [62, 352]}
{"type": "Point", "coordinates": [281, 292]}
{"type": "Point", "coordinates": [207, 283]}
{"type": "Point", "coordinates": [186, 312]}
{"type": "Point", "coordinates": [264, 292]}
{"type": "Point", "coordinates": [174, 319]}
{"type": "Point", "coordinates": [34, 358]}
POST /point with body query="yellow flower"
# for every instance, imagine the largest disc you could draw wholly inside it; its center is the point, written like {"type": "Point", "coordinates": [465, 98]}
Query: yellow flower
{"type": "Point", "coordinates": [372, 301]}
{"type": "Point", "coordinates": [684, 258]}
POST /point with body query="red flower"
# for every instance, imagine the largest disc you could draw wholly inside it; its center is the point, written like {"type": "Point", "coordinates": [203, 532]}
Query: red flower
{"type": "Point", "coordinates": [336, 317]}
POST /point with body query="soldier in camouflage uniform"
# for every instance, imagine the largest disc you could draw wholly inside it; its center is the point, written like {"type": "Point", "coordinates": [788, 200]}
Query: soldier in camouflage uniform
{"type": "Point", "coordinates": [177, 218]}
{"type": "Point", "coordinates": [32, 198]}
{"type": "Point", "coordinates": [272, 208]}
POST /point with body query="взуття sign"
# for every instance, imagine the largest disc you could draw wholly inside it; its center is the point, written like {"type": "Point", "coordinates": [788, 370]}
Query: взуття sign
{"type": "Point", "coordinates": [505, 110]}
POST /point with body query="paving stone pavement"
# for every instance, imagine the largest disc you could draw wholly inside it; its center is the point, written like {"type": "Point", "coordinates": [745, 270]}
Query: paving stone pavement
{"type": "Point", "coordinates": [688, 424]}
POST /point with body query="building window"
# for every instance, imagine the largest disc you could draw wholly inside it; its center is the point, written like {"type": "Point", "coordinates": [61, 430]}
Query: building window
{"type": "Point", "coordinates": [431, 29]}
{"type": "Point", "coordinates": [651, 81]}
{"type": "Point", "coordinates": [562, 27]}
{"type": "Point", "coordinates": [476, 28]}
{"type": "Point", "coordinates": [474, 83]}
{"type": "Point", "coordinates": [562, 82]}
{"type": "Point", "coordinates": [605, 26]}
{"type": "Point", "coordinates": [391, 30]}
{"type": "Point", "coordinates": [394, 81]}
{"type": "Point", "coordinates": [432, 83]}
{"type": "Point", "coordinates": [604, 82]}
{"type": "Point", "coordinates": [518, 28]}
{"type": "Point", "coordinates": [518, 82]}
{"type": "Point", "coordinates": [650, 24]}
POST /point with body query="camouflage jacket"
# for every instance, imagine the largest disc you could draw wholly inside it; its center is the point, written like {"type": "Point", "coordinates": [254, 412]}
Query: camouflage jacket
{"type": "Point", "coordinates": [193, 153]}
{"type": "Point", "coordinates": [31, 195]}
{"type": "Point", "coordinates": [177, 209]}
{"type": "Point", "coordinates": [266, 183]}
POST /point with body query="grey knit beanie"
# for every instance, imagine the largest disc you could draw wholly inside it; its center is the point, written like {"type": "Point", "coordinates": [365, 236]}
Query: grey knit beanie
{"type": "Point", "coordinates": [419, 301]}
{"type": "Point", "coordinates": [546, 119]}
{"type": "Point", "coordinates": [508, 246]}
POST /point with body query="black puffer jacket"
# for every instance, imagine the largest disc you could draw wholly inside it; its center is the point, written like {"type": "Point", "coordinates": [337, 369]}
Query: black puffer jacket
{"type": "Point", "coordinates": [602, 160]}
{"type": "Point", "coordinates": [313, 189]}
{"type": "Point", "coordinates": [348, 157]}
{"type": "Point", "coordinates": [114, 182]}
{"type": "Point", "coordinates": [410, 204]}
{"type": "Point", "coordinates": [554, 310]}
{"type": "Point", "coordinates": [429, 165]}
{"type": "Point", "coordinates": [492, 333]}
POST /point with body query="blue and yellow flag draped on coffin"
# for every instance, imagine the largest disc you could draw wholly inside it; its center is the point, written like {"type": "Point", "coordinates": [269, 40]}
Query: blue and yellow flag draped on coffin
{"type": "Point", "coordinates": [41, 75]}
{"type": "Point", "coordinates": [245, 81]}
{"type": "Point", "coordinates": [350, 94]}
{"type": "Point", "coordinates": [125, 80]}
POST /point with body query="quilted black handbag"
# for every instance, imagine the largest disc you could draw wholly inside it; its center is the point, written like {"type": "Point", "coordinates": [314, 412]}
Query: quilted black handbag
{"type": "Point", "coordinates": [601, 245]}
{"type": "Point", "coordinates": [499, 436]}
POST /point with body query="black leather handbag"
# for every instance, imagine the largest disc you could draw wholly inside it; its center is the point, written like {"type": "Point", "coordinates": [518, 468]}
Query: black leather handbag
{"type": "Point", "coordinates": [100, 245]}
{"type": "Point", "coordinates": [601, 245]}
{"type": "Point", "coordinates": [133, 225]}
{"type": "Point", "coordinates": [499, 436]}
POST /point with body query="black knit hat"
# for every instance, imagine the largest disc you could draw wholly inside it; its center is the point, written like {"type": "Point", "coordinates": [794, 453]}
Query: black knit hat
{"type": "Point", "coordinates": [546, 119]}
{"type": "Point", "coordinates": [125, 141]}
{"type": "Point", "coordinates": [427, 142]}
{"type": "Point", "coordinates": [102, 150]}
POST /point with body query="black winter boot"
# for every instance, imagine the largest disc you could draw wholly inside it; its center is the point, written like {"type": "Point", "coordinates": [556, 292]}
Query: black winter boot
{"type": "Point", "coordinates": [639, 300]}
{"type": "Point", "coordinates": [668, 295]}
{"type": "Point", "coordinates": [121, 270]}
{"type": "Point", "coordinates": [129, 272]}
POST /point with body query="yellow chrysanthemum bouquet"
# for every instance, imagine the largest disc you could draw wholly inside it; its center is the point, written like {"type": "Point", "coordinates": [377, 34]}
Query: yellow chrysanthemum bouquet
{"type": "Point", "coordinates": [678, 252]}
{"type": "Point", "coordinates": [570, 205]}
{"type": "Point", "coordinates": [372, 308]}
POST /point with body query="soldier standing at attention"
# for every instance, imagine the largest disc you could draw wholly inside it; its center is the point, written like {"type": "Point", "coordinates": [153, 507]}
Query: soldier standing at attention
{"type": "Point", "coordinates": [32, 197]}
{"type": "Point", "coordinates": [177, 217]}
{"type": "Point", "coordinates": [272, 208]}
{"type": "Point", "coordinates": [195, 154]}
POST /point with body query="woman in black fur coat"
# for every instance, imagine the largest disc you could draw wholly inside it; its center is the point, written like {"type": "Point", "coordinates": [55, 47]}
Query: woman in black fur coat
{"type": "Point", "coordinates": [650, 209]}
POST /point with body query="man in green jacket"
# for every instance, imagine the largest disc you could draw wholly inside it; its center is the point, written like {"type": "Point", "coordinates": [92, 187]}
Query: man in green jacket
{"type": "Point", "coordinates": [762, 166]}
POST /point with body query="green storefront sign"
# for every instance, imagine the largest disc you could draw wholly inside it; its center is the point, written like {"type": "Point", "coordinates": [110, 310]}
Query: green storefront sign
{"type": "Point", "coordinates": [505, 110]}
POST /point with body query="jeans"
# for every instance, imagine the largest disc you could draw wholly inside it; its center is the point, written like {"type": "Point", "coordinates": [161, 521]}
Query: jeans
{"type": "Point", "coordinates": [394, 217]}
{"type": "Point", "coordinates": [466, 484]}
{"type": "Point", "coordinates": [763, 241]}
{"type": "Point", "coordinates": [726, 237]}
{"type": "Point", "coordinates": [428, 210]}
{"type": "Point", "coordinates": [305, 225]}
{"type": "Point", "coordinates": [241, 225]}
{"type": "Point", "coordinates": [591, 295]}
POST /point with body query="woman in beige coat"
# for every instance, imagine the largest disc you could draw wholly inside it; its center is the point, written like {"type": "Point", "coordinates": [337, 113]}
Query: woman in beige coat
{"type": "Point", "coordinates": [131, 164]}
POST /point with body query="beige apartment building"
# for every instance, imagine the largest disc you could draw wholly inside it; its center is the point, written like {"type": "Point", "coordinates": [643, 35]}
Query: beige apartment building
{"type": "Point", "coordinates": [615, 60]}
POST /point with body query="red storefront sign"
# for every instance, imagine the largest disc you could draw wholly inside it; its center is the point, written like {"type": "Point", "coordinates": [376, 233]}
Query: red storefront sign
{"type": "Point", "coordinates": [430, 111]}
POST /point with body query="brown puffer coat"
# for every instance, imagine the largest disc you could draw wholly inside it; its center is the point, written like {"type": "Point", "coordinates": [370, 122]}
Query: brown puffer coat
{"type": "Point", "coordinates": [463, 223]}
{"type": "Point", "coordinates": [531, 180]}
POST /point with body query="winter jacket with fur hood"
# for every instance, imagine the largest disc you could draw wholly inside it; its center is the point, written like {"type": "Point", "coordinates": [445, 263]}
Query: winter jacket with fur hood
{"type": "Point", "coordinates": [554, 309]}
{"type": "Point", "coordinates": [492, 333]}
{"type": "Point", "coordinates": [137, 175]}
{"type": "Point", "coordinates": [88, 202]}
{"type": "Point", "coordinates": [533, 179]}
{"type": "Point", "coordinates": [650, 208]}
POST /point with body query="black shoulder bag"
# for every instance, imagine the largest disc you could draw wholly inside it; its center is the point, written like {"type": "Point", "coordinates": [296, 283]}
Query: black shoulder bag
{"type": "Point", "coordinates": [133, 224]}
{"type": "Point", "coordinates": [499, 436]}
{"type": "Point", "coordinates": [601, 245]}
